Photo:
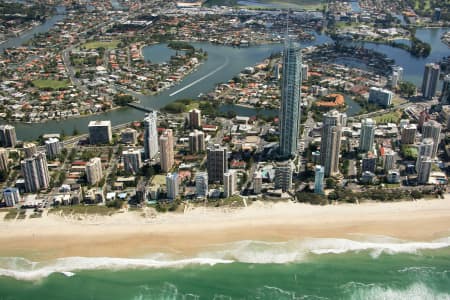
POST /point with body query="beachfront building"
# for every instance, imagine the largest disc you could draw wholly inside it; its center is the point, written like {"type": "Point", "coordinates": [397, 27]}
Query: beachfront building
{"type": "Point", "coordinates": [424, 149]}
{"type": "Point", "coordinates": [166, 153]}
{"type": "Point", "coordinates": [201, 184]}
{"type": "Point", "coordinates": [380, 96]}
{"type": "Point", "coordinates": [8, 136]}
{"type": "Point", "coordinates": [389, 160]}
{"type": "Point", "coordinates": [129, 136]}
{"type": "Point", "coordinates": [11, 196]}
{"type": "Point", "coordinates": [331, 143]}
{"type": "Point", "coordinates": [29, 149]}
{"type": "Point", "coordinates": [217, 163]}
{"type": "Point", "coordinates": [409, 134]}
{"type": "Point", "coordinates": [432, 129]}
{"type": "Point", "coordinates": [35, 173]}
{"type": "Point", "coordinates": [318, 179]}
{"type": "Point", "coordinates": [195, 118]}
{"type": "Point", "coordinates": [257, 182]}
{"type": "Point", "coordinates": [367, 135]}
{"type": "Point", "coordinates": [4, 160]}
{"type": "Point", "coordinates": [430, 80]}
{"type": "Point", "coordinates": [196, 141]}
{"type": "Point", "coordinates": [290, 99]}
{"type": "Point", "coordinates": [229, 183]}
{"type": "Point", "coordinates": [283, 176]}
{"type": "Point", "coordinates": [172, 185]}
{"type": "Point", "coordinates": [150, 136]}
{"type": "Point", "coordinates": [94, 171]}
{"type": "Point", "coordinates": [100, 132]}
{"type": "Point", "coordinates": [53, 147]}
{"type": "Point", "coordinates": [369, 163]}
{"type": "Point", "coordinates": [132, 162]}
{"type": "Point", "coordinates": [423, 174]}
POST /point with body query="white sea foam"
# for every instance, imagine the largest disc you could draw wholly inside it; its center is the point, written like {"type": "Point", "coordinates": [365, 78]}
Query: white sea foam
{"type": "Point", "coordinates": [28, 270]}
{"type": "Point", "coordinates": [243, 251]}
{"type": "Point", "coordinates": [416, 291]}
{"type": "Point", "coordinates": [294, 251]}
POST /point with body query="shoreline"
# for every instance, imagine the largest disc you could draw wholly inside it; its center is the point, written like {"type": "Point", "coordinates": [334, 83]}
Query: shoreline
{"type": "Point", "coordinates": [200, 229]}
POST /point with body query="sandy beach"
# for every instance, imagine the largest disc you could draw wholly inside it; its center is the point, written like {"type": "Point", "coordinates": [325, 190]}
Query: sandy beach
{"type": "Point", "coordinates": [130, 234]}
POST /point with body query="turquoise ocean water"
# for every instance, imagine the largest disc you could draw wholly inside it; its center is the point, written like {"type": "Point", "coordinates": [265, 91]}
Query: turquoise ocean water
{"type": "Point", "coordinates": [308, 269]}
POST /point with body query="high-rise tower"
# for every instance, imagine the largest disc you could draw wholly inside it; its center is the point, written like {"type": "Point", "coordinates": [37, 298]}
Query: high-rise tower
{"type": "Point", "coordinates": [290, 99]}
{"type": "Point", "coordinates": [150, 135]}
{"type": "Point", "coordinates": [331, 142]}
{"type": "Point", "coordinates": [430, 80]}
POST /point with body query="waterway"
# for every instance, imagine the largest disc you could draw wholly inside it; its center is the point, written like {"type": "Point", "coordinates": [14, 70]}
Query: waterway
{"type": "Point", "coordinates": [159, 53]}
{"type": "Point", "coordinates": [414, 66]}
{"type": "Point", "coordinates": [222, 64]}
{"type": "Point", "coordinates": [28, 35]}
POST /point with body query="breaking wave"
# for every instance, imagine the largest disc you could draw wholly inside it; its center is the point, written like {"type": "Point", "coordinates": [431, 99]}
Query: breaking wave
{"type": "Point", "coordinates": [258, 252]}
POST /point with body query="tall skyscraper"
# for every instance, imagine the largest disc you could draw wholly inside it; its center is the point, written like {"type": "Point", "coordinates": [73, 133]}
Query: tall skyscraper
{"type": "Point", "coordinates": [331, 142]}
{"type": "Point", "coordinates": [432, 129]}
{"type": "Point", "coordinates": [445, 95]}
{"type": "Point", "coordinates": [424, 170]}
{"type": "Point", "coordinates": [195, 118]}
{"type": "Point", "coordinates": [53, 147]}
{"type": "Point", "coordinates": [196, 141]}
{"type": "Point", "coordinates": [201, 184]}
{"type": "Point", "coordinates": [132, 161]}
{"type": "Point", "coordinates": [367, 135]}
{"type": "Point", "coordinates": [389, 160]}
{"type": "Point", "coordinates": [8, 136]}
{"type": "Point", "coordinates": [29, 149]}
{"type": "Point", "coordinates": [217, 163]}
{"type": "Point", "coordinates": [166, 154]}
{"type": "Point", "coordinates": [430, 80]}
{"type": "Point", "coordinates": [424, 149]}
{"type": "Point", "coordinates": [172, 185]}
{"type": "Point", "coordinates": [409, 134]}
{"type": "Point", "coordinates": [94, 171]}
{"type": "Point", "coordinates": [35, 172]}
{"type": "Point", "coordinates": [3, 159]}
{"type": "Point", "coordinates": [229, 183]}
{"type": "Point", "coordinates": [100, 132]}
{"type": "Point", "coordinates": [318, 179]}
{"type": "Point", "coordinates": [283, 176]}
{"type": "Point", "coordinates": [150, 136]}
{"type": "Point", "coordinates": [290, 99]}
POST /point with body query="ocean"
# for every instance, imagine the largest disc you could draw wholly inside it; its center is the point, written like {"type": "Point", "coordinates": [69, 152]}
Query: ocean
{"type": "Point", "coordinates": [375, 268]}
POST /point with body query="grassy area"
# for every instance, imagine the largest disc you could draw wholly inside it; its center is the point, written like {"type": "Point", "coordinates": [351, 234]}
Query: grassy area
{"type": "Point", "coordinates": [101, 44]}
{"type": "Point", "coordinates": [398, 100]}
{"type": "Point", "coordinates": [51, 84]}
{"type": "Point", "coordinates": [392, 117]}
{"type": "Point", "coordinates": [84, 209]}
{"type": "Point", "coordinates": [11, 214]}
{"type": "Point", "coordinates": [159, 180]}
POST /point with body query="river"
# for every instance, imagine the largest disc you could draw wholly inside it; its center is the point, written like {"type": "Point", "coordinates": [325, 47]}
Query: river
{"type": "Point", "coordinates": [28, 35]}
{"type": "Point", "coordinates": [222, 64]}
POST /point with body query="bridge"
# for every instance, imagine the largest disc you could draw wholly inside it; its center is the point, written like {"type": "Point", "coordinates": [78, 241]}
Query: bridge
{"type": "Point", "coordinates": [140, 107]}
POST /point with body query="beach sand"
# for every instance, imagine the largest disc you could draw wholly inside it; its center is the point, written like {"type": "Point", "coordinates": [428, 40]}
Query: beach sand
{"type": "Point", "coordinates": [130, 234]}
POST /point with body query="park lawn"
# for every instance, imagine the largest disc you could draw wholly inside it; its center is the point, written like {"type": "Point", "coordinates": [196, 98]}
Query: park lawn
{"type": "Point", "coordinates": [159, 180]}
{"type": "Point", "coordinates": [84, 210]}
{"type": "Point", "coordinates": [392, 117]}
{"type": "Point", "coordinates": [101, 44]}
{"type": "Point", "coordinates": [51, 84]}
{"type": "Point", "coordinates": [398, 100]}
